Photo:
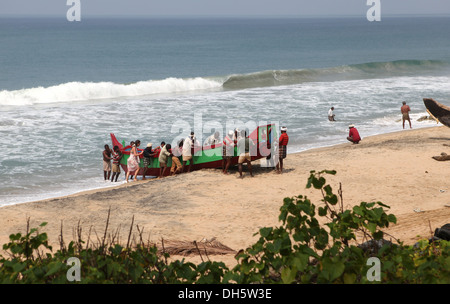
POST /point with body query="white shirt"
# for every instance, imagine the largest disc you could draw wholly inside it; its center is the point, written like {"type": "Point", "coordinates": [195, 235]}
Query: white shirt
{"type": "Point", "coordinates": [188, 144]}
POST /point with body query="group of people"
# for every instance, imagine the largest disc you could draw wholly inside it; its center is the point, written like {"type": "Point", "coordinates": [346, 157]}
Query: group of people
{"type": "Point", "coordinates": [185, 151]}
{"type": "Point", "coordinates": [353, 135]}
{"type": "Point", "coordinates": [115, 156]}
{"type": "Point", "coordinates": [164, 152]}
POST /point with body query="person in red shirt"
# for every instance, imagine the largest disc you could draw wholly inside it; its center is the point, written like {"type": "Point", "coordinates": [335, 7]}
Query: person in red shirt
{"type": "Point", "coordinates": [353, 135]}
{"type": "Point", "coordinates": [405, 114]}
{"type": "Point", "coordinates": [282, 146]}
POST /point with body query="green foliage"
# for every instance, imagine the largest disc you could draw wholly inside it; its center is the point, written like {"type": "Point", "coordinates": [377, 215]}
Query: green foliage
{"type": "Point", "coordinates": [302, 250]}
{"type": "Point", "coordinates": [312, 245]}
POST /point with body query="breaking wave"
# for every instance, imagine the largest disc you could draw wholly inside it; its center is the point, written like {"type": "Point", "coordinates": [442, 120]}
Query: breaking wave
{"type": "Point", "coordinates": [85, 91]}
{"type": "Point", "coordinates": [81, 91]}
{"type": "Point", "coordinates": [347, 72]}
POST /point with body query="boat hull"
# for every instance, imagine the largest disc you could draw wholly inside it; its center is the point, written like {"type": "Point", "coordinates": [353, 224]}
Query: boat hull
{"type": "Point", "coordinates": [439, 111]}
{"type": "Point", "coordinates": [206, 157]}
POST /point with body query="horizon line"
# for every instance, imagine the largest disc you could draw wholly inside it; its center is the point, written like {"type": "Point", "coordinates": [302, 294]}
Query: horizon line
{"type": "Point", "coordinates": [203, 16]}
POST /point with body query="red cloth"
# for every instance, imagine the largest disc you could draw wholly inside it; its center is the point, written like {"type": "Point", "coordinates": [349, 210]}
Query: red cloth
{"type": "Point", "coordinates": [354, 134]}
{"type": "Point", "coordinates": [284, 139]}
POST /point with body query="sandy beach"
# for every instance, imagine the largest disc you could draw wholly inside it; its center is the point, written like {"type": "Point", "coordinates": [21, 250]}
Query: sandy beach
{"type": "Point", "coordinates": [396, 169]}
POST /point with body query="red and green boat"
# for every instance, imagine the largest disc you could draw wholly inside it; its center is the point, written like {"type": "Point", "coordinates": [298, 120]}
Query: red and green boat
{"type": "Point", "coordinates": [204, 157]}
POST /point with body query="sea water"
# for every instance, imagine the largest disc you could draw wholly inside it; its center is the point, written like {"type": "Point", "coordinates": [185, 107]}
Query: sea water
{"type": "Point", "coordinates": [65, 86]}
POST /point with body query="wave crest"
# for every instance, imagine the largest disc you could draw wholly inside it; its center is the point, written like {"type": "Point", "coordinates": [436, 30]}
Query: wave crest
{"type": "Point", "coordinates": [347, 72]}
{"type": "Point", "coordinates": [84, 91]}
{"type": "Point", "coordinates": [78, 91]}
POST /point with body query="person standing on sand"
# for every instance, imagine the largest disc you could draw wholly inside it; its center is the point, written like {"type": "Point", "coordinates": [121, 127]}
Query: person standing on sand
{"type": "Point", "coordinates": [188, 151]}
{"type": "Point", "coordinates": [405, 114]}
{"type": "Point", "coordinates": [282, 146]}
{"type": "Point", "coordinates": [227, 151]}
{"type": "Point", "coordinates": [245, 145]}
{"type": "Point", "coordinates": [353, 135]}
{"type": "Point", "coordinates": [331, 114]}
{"type": "Point", "coordinates": [163, 157]}
{"type": "Point", "coordinates": [148, 154]}
{"type": "Point", "coordinates": [133, 161]}
{"type": "Point", "coordinates": [117, 155]}
{"type": "Point", "coordinates": [176, 164]}
{"type": "Point", "coordinates": [107, 163]}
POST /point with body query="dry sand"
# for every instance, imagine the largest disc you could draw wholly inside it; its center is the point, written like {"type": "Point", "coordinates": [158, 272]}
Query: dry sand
{"type": "Point", "coordinates": [396, 169]}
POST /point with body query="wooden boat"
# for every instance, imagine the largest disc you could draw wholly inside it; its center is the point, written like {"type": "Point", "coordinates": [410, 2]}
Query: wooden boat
{"type": "Point", "coordinates": [438, 111]}
{"type": "Point", "coordinates": [204, 157]}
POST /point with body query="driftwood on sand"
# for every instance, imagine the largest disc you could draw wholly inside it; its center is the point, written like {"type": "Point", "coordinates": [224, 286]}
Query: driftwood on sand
{"type": "Point", "coordinates": [442, 157]}
{"type": "Point", "coordinates": [204, 247]}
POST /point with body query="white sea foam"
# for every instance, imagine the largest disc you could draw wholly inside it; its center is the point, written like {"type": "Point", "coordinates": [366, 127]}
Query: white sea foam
{"type": "Point", "coordinates": [82, 91]}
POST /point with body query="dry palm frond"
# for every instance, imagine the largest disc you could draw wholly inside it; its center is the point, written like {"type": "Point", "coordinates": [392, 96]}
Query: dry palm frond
{"type": "Point", "coordinates": [186, 248]}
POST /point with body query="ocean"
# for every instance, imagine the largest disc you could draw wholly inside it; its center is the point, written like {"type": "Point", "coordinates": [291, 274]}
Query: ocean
{"type": "Point", "coordinates": [65, 86]}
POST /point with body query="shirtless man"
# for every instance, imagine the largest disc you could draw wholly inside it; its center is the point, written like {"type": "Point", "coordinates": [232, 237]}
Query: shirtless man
{"type": "Point", "coordinates": [107, 163]}
{"type": "Point", "coordinates": [405, 114]}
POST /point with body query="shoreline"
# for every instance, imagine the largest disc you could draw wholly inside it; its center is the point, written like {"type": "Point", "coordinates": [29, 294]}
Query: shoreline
{"type": "Point", "coordinates": [122, 181]}
{"type": "Point", "coordinates": [394, 168]}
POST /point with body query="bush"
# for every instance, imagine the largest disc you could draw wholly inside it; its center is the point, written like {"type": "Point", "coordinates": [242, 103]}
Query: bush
{"type": "Point", "coordinates": [300, 250]}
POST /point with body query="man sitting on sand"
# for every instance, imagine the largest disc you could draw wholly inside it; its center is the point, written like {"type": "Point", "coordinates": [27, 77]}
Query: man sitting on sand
{"type": "Point", "coordinates": [405, 114]}
{"type": "Point", "coordinates": [353, 135]}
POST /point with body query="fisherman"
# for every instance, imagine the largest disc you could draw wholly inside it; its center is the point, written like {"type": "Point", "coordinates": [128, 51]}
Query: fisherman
{"type": "Point", "coordinates": [353, 134]}
{"type": "Point", "coordinates": [331, 114]}
{"type": "Point", "coordinates": [163, 157]}
{"type": "Point", "coordinates": [147, 157]}
{"type": "Point", "coordinates": [117, 156]}
{"type": "Point", "coordinates": [107, 163]}
{"type": "Point", "coordinates": [405, 114]}
{"type": "Point", "coordinates": [188, 151]}
{"type": "Point", "coordinates": [213, 139]}
{"type": "Point", "coordinates": [245, 146]}
{"type": "Point", "coordinates": [227, 151]}
{"type": "Point", "coordinates": [282, 146]}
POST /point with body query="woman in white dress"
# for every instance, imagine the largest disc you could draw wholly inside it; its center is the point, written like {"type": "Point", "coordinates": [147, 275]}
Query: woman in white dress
{"type": "Point", "coordinates": [133, 161]}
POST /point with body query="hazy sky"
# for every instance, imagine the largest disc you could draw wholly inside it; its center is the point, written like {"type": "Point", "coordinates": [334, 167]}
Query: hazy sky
{"type": "Point", "coordinates": [222, 7]}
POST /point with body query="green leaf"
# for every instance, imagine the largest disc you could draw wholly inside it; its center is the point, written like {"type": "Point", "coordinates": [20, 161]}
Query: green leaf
{"type": "Point", "coordinates": [332, 199]}
{"type": "Point", "coordinates": [333, 269]}
{"type": "Point", "coordinates": [383, 205]}
{"type": "Point", "coordinates": [288, 275]}
{"type": "Point", "coordinates": [349, 278]}
{"type": "Point", "coordinates": [328, 190]}
{"type": "Point", "coordinates": [392, 218]}
{"type": "Point", "coordinates": [372, 227]}
{"type": "Point", "coordinates": [18, 267]}
{"type": "Point", "coordinates": [266, 231]}
{"type": "Point", "coordinates": [301, 261]}
{"type": "Point", "coordinates": [54, 267]}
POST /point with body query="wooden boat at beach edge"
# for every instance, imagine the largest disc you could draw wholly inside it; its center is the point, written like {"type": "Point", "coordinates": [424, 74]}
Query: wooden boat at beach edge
{"type": "Point", "coordinates": [438, 111]}
{"type": "Point", "coordinates": [204, 157]}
